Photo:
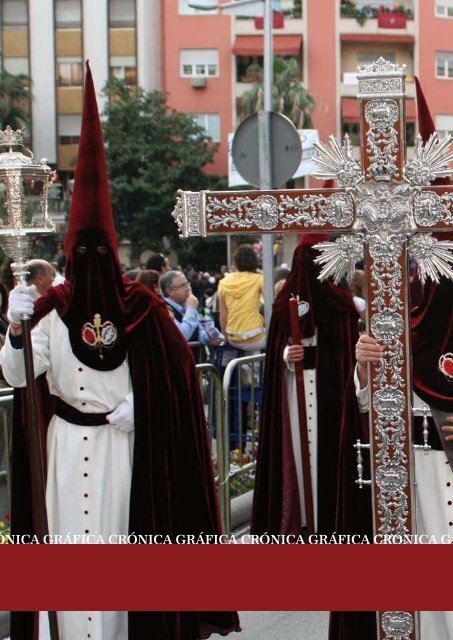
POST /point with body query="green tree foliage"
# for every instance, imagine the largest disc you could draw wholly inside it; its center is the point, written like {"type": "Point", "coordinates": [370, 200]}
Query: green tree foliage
{"type": "Point", "coordinates": [289, 96]}
{"type": "Point", "coordinates": [152, 151]}
{"type": "Point", "coordinates": [14, 95]}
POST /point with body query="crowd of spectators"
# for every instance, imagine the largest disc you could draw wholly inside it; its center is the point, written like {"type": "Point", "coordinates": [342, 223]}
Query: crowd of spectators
{"type": "Point", "coordinates": [211, 308]}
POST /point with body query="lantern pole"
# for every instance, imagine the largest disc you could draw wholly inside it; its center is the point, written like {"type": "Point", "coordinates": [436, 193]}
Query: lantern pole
{"type": "Point", "coordinates": [22, 180]}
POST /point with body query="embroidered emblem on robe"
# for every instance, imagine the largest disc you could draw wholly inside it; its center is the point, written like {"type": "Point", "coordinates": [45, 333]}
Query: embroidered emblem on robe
{"type": "Point", "coordinates": [98, 334]}
{"type": "Point", "coordinates": [446, 366]}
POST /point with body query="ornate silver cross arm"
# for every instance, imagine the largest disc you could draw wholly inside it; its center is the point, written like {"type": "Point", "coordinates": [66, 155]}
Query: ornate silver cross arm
{"type": "Point", "coordinates": [385, 211]}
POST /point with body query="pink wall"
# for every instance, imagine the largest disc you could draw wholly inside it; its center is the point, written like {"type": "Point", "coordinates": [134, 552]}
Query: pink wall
{"type": "Point", "coordinates": [199, 32]}
{"type": "Point", "coordinates": [435, 34]}
{"type": "Point", "coordinates": [321, 51]}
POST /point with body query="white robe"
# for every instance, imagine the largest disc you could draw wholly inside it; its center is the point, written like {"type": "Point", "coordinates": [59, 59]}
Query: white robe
{"type": "Point", "coordinates": [312, 424]}
{"type": "Point", "coordinates": [89, 468]}
{"type": "Point", "coordinates": [434, 514]}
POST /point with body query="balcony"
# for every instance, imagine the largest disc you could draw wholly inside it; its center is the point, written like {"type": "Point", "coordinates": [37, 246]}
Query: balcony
{"type": "Point", "coordinates": [291, 26]}
{"type": "Point", "coordinates": [378, 19]}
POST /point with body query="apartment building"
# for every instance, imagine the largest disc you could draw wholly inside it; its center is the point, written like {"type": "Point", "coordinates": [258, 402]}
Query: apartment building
{"type": "Point", "coordinates": [49, 40]}
{"type": "Point", "coordinates": [206, 56]}
{"type": "Point", "coordinates": [203, 58]}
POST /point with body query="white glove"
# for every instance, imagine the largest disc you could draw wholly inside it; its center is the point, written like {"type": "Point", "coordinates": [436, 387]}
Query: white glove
{"type": "Point", "coordinates": [20, 302]}
{"type": "Point", "coordinates": [122, 418]}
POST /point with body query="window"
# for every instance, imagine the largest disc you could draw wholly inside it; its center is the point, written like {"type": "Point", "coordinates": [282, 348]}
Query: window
{"type": "Point", "coordinates": [195, 63]}
{"type": "Point", "coordinates": [185, 10]}
{"type": "Point", "coordinates": [15, 13]}
{"type": "Point", "coordinates": [210, 122]}
{"type": "Point", "coordinates": [124, 68]}
{"type": "Point", "coordinates": [365, 57]}
{"type": "Point", "coordinates": [68, 14]}
{"type": "Point", "coordinates": [444, 125]}
{"type": "Point", "coordinates": [16, 66]}
{"type": "Point", "coordinates": [69, 129]}
{"type": "Point", "coordinates": [444, 9]}
{"type": "Point", "coordinates": [444, 64]}
{"type": "Point", "coordinates": [69, 72]}
{"type": "Point", "coordinates": [122, 13]}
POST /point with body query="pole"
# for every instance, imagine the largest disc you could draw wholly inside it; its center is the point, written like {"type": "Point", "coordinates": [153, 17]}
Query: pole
{"type": "Point", "coordinates": [33, 432]}
{"type": "Point", "coordinates": [302, 411]}
{"type": "Point", "coordinates": [265, 158]}
{"type": "Point", "coordinates": [36, 451]}
{"type": "Point", "coordinates": [229, 255]}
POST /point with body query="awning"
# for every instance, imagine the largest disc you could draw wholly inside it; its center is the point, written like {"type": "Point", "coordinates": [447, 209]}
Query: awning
{"type": "Point", "coordinates": [289, 45]}
{"type": "Point", "coordinates": [350, 110]}
{"type": "Point", "coordinates": [371, 38]}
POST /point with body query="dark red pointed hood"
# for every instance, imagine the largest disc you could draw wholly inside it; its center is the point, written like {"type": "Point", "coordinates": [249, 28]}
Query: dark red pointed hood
{"type": "Point", "coordinates": [99, 306]}
{"type": "Point", "coordinates": [91, 209]}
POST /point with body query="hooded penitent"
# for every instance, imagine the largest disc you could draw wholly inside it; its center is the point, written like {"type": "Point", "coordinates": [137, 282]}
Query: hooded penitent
{"type": "Point", "coordinates": [333, 316]}
{"type": "Point", "coordinates": [432, 320]}
{"type": "Point", "coordinates": [99, 306]}
{"type": "Point", "coordinates": [110, 318]}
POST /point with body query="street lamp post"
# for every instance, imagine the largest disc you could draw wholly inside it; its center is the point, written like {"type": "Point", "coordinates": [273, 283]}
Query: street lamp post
{"type": "Point", "coordinates": [265, 154]}
{"type": "Point", "coordinates": [264, 134]}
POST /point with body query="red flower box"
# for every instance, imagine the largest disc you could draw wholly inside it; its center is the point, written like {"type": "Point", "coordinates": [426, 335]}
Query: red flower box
{"type": "Point", "coordinates": [391, 20]}
{"type": "Point", "coordinates": [278, 21]}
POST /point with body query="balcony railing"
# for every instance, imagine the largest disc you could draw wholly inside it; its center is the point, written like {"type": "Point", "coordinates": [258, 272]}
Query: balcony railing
{"type": "Point", "coordinates": [388, 16]}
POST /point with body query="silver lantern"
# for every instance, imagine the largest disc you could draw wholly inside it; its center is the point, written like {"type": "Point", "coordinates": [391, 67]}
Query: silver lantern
{"type": "Point", "coordinates": [24, 187]}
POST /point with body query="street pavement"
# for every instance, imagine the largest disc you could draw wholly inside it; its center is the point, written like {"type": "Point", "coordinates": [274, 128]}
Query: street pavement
{"type": "Point", "coordinates": [259, 625]}
{"type": "Point", "coordinates": [282, 625]}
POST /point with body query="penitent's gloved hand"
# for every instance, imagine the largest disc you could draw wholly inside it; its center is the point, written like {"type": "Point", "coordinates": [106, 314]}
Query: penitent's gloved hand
{"type": "Point", "coordinates": [20, 302]}
{"type": "Point", "coordinates": [122, 418]}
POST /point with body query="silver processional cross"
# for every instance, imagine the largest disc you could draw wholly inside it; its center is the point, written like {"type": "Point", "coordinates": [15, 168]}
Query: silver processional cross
{"type": "Point", "coordinates": [383, 212]}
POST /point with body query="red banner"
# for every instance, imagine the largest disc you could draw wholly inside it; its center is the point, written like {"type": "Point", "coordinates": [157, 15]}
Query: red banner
{"type": "Point", "coordinates": [223, 577]}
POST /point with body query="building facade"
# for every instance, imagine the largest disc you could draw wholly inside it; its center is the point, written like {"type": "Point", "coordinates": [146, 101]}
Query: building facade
{"type": "Point", "coordinates": [206, 60]}
{"type": "Point", "coordinates": [49, 40]}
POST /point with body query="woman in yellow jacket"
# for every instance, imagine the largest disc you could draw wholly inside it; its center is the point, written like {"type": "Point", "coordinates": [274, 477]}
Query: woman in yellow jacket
{"type": "Point", "coordinates": [240, 295]}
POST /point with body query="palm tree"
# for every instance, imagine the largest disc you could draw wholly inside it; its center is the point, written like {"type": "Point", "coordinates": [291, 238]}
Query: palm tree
{"type": "Point", "coordinates": [14, 100]}
{"type": "Point", "coordinates": [289, 96]}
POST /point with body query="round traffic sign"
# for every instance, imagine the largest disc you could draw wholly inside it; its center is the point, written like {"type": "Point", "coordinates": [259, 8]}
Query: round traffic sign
{"type": "Point", "coordinates": [286, 149]}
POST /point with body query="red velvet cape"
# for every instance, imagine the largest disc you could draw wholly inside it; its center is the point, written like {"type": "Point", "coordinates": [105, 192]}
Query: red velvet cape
{"type": "Point", "coordinates": [276, 507]}
{"type": "Point", "coordinates": [172, 488]}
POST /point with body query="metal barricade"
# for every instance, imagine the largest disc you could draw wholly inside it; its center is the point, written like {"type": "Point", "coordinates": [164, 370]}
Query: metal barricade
{"type": "Point", "coordinates": [242, 384]}
{"type": "Point", "coordinates": [211, 389]}
{"type": "Point", "coordinates": [200, 351]}
{"type": "Point", "coordinates": [223, 404]}
{"type": "Point", "coordinates": [6, 409]}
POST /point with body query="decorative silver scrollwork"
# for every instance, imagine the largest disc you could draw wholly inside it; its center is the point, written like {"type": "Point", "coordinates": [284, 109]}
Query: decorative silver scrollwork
{"type": "Point", "coordinates": [382, 114]}
{"type": "Point", "coordinates": [386, 326]}
{"type": "Point", "coordinates": [430, 208]}
{"type": "Point", "coordinates": [433, 256]}
{"type": "Point", "coordinates": [337, 161]}
{"type": "Point", "coordinates": [188, 214]}
{"type": "Point", "coordinates": [317, 210]}
{"type": "Point", "coordinates": [264, 212]}
{"type": "Point", "coordinates": [388, 403]}
{"type": "Point", "coordinates": [382, 210]}
{"type": "Point", "coordinates": [382, 139]}
{"type": "Point", "coordinates": [382, 67]}
{"type": "Point", "coordinates": [397, 625]}
{"type": "Point", "coordinates": [340, 257]}
{"type": "Point", "coordinates": [391, 478]}
{"type": "Point", "coordinates": [240, 212]}
{"type": "Point", "coordinates": [388, 85]}
{"type": "Point", "coordinates": [429, 161]}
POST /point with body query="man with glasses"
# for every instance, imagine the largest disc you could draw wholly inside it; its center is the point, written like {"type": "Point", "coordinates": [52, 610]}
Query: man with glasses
{"type": "Point", "coordinates": [183, 308]}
